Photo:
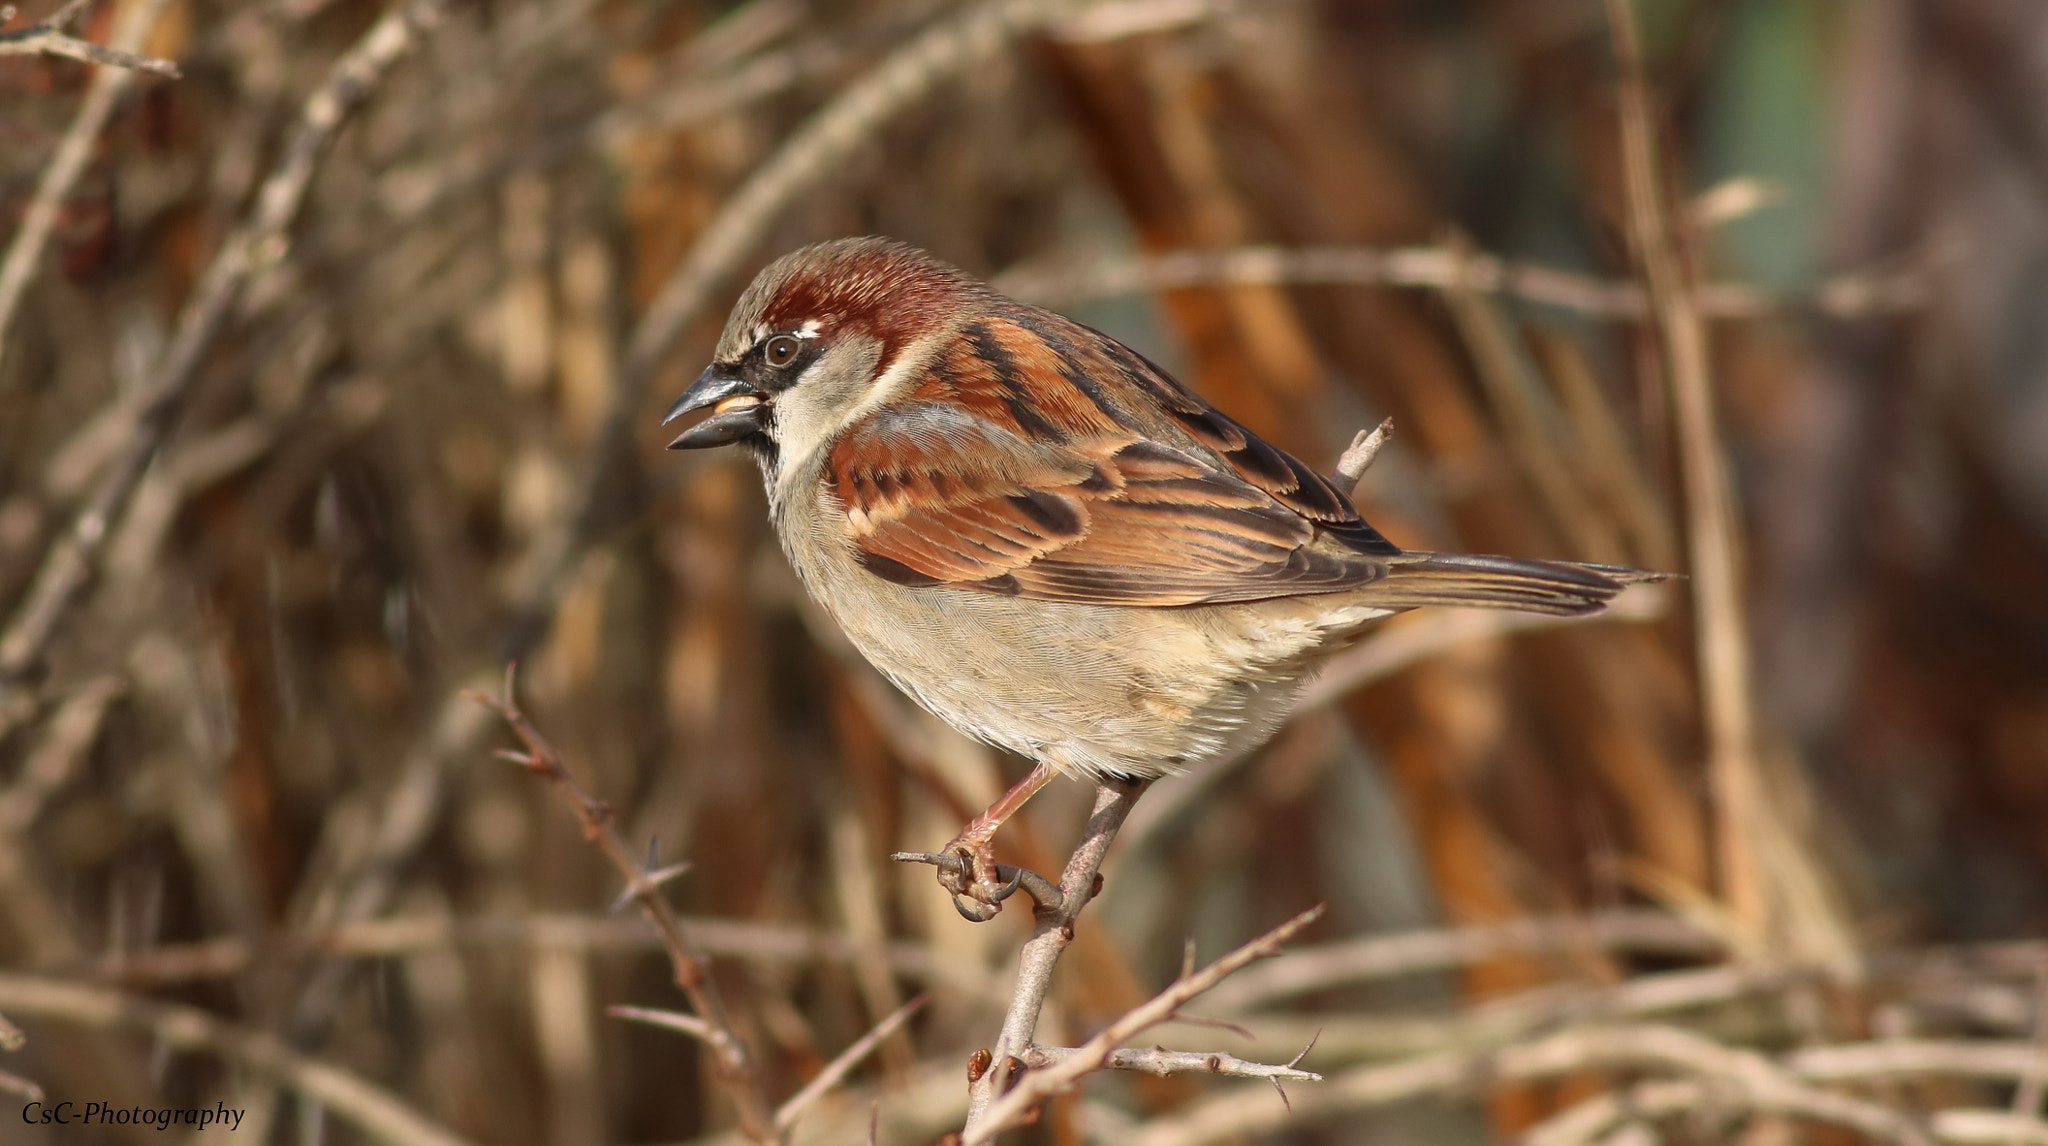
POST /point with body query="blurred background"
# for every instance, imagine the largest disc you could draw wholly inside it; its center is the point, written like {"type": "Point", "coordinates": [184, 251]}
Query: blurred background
{"type": "Point", "coordinates": [419, 439]}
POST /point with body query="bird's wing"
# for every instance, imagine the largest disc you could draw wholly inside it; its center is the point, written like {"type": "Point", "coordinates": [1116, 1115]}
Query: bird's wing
{"type": "Point", "coordinates": [1039, 458]}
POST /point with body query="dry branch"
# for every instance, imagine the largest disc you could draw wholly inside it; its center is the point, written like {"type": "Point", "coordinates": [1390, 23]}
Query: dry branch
{"type": "Point", "coordinates": [1162, 1062]}
{"type": "Point", "coordinates": [1383, 957]}
{"type": "Point", "coordinates": [1036, 1086]}
{"type": "Point", "coordinates": [733, 1063]}
{"type": "Point", "coordinates": [1744, 1079]}
{"type": "Point", "coordinates": [1875, 291]}
{"type": "Point", "coordinates": [1052, 930]}
{"type": "Point", "coordinates": [836, 1070]}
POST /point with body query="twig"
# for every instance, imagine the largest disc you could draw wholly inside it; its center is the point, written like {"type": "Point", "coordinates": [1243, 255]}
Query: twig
{"type": "Point", "coordinates": [258, 243]}
{"type": "Point", "coordinates": [69, 161]}
{"type": "Point", "coordinates": [1875, 291]}
{"type": "Point", "coordinates": [1358, 456]}
{"type": "Point", "coordinates": [790, 1111]}
{"type": "Point", "coordinates": [1162, 1062]}
{"type": "Point", "coordinates": [1052, 931]}
{"type": "Point", "coordinates": [733, 1065]}
{"type": "Point", "coordinates": [1594, 1118]}
{"type": "Point", "coordinates": [49, 38]}
{"type": "Point", "coordinates": [676, 1021]}
{"type": "Point", "coordinates": [1741, 1078]}
{"type": "Point", "coordinates": [1038, 1085]}
{"type": "Point", "coordinates": [1988, 1126]}
{"type": "Point", "coordinates": [350, 1097]}
{"type": "Point", "coordinates": [1384, 957]}
{"type": "Point", "coordinates": [1919, 1057]}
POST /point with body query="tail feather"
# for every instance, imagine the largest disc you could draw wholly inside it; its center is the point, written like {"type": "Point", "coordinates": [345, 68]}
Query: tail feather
{"type": "Point", "coordinates": [1559, 588]}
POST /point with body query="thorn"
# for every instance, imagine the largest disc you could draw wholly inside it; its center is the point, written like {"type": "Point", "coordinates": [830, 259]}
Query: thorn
{"type": "Point", "coordinates": [656, 878]}
{"type": "Point", "coordinates": [618, 904]}
{"type": "Point", "coordinates": [1296, 1060]}
{"type": "Point", "coordinates": [874, 1120]}
{"type": "Point", "coordinates": [1187, 957]}
{"type": "Point", "coordinates": [1283, 1093]}
{"type": "Point", "coordinates": [515, 756]}
{"type": "Point", "coordinates": [511, 682]}
{"type": "Point", "coordinates": [1207, 1021]}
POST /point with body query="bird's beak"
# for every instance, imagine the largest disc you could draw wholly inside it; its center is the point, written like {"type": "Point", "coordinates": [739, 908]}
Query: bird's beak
{"type": "Point", "coordinates": [736, 411]}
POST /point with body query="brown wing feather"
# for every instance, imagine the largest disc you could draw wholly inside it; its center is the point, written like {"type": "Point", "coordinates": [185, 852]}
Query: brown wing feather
{"type": "Point", "coordinates": [1072, 487]}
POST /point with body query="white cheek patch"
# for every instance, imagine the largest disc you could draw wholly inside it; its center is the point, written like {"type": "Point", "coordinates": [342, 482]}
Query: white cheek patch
{"type": "Point", "coordinates": [833, 394]}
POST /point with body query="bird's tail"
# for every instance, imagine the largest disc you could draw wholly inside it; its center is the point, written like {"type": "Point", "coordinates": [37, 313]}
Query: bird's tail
{"type": "Point", "coordinates": [1559, 588]}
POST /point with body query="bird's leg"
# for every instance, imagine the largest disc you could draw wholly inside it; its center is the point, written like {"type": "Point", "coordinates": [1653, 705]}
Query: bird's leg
{"type": "Point", "coordinates": [975, 876]}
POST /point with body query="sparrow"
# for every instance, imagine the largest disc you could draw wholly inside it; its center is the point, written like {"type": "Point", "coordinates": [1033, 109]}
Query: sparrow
{"type": "Point", "coordinates": [1041, 536]}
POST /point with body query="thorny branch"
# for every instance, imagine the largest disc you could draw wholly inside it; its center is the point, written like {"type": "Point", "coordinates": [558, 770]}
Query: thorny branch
{"type": "Point", "coordinates": [1013, 1107]}
{"type": "Point", "coordinates": [734, 1065]}
{"type": "Point", "coordinates": [1052, 931]}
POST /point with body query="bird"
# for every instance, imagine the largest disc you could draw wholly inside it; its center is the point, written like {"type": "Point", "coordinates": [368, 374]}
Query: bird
{"type": "Point", "coordinates": [1042, 537]}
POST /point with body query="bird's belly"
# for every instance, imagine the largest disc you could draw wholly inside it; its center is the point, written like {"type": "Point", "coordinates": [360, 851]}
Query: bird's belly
{"type": "Point", "coordinates": [1089, 689]}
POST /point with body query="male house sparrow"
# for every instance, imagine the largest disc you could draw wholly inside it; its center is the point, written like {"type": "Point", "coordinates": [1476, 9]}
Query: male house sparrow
{"type": "Point", "coordinates": [1043, 538]}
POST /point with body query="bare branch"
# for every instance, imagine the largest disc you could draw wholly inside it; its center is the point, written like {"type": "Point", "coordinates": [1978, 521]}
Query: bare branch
{"type": "Point", "coordinates": [1330, 965]}
{"type": "Point", "coordinates": [733, 1064]}
{"type": "Point", "coordinates": [350, 1097]}
{"type": "Point", "coordinates": [1358, 456]}
{"type": "Point", "coordinates": [1875, 291]}
{"type": "Point", "coordinates": [1162, 1062]}
{"type": "Point", "coordinates": [1740, 1078]}
{"type": "Point", "coordinates": [837, 1069]}
{"type": "Point", "coordinates": [676, 1021]}
{"type": "Point", "coordinates": [1053, 929]}
{"type": "Point", "coordinates": [1037, 1086]}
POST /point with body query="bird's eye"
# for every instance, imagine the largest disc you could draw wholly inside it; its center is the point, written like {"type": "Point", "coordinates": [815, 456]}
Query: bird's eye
{"type": "Point", "coordinates": [781, 350]}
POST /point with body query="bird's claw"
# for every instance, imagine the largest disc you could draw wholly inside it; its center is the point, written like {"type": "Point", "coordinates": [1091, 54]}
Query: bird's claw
{"type": "Point", "coordinates": [979, 885]}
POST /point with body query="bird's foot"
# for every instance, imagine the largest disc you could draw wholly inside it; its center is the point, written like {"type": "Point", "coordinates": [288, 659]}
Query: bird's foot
{"type": "Point", "coordinates": [978, 884]}
{"type": "Point", "coordinates": [975, 880]}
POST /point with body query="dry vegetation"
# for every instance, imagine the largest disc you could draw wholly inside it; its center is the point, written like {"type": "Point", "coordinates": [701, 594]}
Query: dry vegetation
{"type": "Point", "coordinates": [333, 337]}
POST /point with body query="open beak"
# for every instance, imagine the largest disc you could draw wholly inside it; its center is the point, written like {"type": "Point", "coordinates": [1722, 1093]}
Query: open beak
{"type": "Point", "coordinates": [737, 410]}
